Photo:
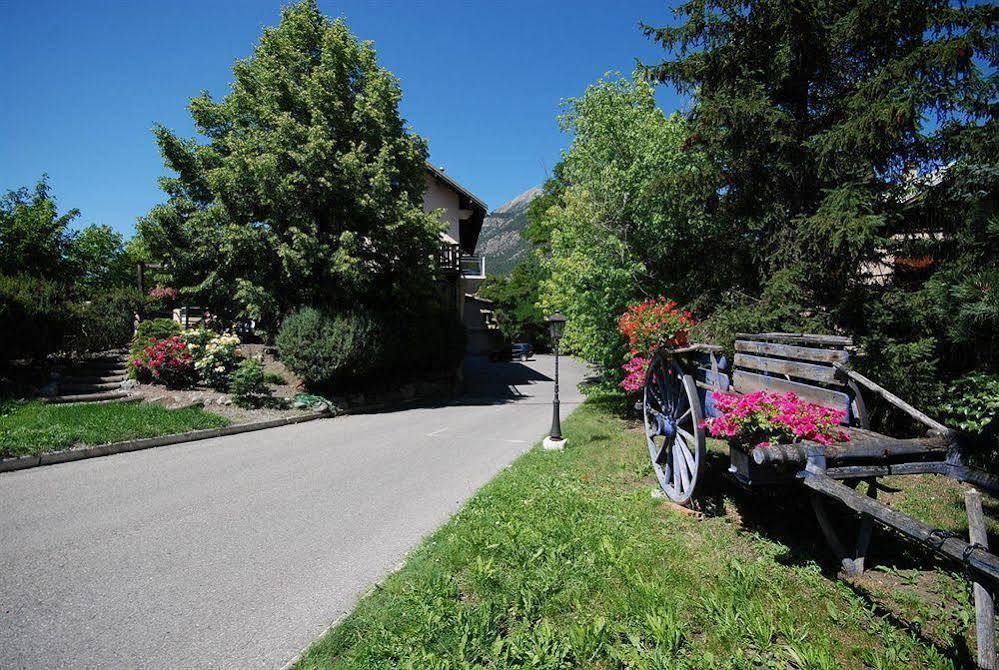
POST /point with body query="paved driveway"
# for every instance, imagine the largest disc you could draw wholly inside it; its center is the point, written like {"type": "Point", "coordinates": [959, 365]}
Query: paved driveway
{"type": "Point", "coordinates": [237, 552]}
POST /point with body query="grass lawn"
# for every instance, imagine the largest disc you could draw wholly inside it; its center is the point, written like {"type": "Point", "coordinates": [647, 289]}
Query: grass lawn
{"type": "Point", "coordinates": [565, 560]}
{"type": "Point", "coordinates": [28, 428]}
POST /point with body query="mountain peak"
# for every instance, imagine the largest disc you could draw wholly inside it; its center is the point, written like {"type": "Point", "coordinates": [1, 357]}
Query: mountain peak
{"type": "Point", "coordinates": [500, 240]}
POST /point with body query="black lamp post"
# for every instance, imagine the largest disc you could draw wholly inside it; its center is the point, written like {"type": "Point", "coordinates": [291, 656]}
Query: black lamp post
{"type": "Point", "coordinates": [556, 325]}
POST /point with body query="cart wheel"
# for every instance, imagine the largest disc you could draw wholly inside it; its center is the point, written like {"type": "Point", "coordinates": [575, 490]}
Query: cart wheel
{"type": "Point", "coordinates": [672, 413]}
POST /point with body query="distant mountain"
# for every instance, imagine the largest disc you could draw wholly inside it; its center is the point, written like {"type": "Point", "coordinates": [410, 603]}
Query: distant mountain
{"type": "Point", "coordinates": [500, 241]}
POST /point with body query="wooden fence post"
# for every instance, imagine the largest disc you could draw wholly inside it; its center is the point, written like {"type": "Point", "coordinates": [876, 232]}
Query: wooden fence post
{"type": "Point", "coordinates": [984, 606]}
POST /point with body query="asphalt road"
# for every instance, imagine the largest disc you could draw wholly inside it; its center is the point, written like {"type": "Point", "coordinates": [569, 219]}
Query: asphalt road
{"type": "Point", "coordinates": [237, 552]}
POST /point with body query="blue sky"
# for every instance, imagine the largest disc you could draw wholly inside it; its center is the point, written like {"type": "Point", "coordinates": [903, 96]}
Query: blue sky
{"type": "Point", "coordinates": [84, 81]}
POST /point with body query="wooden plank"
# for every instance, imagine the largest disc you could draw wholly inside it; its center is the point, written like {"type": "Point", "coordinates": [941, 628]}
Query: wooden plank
{"type": "Point", "coordinates": [792, 351]}
{"type": "Point", "coordinates": [893, 399]}
{"type": "Point", "coordinates": [861, 447]}
{"type": "Point", "coordinates": [980, 562]}
{"type": "Point", "coordinates": [748, 382]}
{"type": "Point", "coordinates": [985, 626]}
{"type": "Point", "coordinates": [810, 371]}
{"type": "Point", "coordinates": [798, 338]}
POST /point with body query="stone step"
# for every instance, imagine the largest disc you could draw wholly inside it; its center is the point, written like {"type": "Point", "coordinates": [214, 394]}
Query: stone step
{"type": "Point", "coordinates": [107, 371]}
{"type": "Point", "coordinates": [75, 387]}
{"type": "Point", "coordinates": [85, 397]}
{"type": "Point", "coordinates": [94, 379]}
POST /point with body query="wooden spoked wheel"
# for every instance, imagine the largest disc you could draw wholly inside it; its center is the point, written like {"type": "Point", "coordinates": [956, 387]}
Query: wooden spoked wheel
{"type": "Point", "coordinates": [672, 414]}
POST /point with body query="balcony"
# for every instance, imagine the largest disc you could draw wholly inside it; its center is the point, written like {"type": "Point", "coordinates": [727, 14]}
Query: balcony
{"type": "Point", "coordinates": [473, 266]}
{"type": "Point", "coordinates": [453, 263]}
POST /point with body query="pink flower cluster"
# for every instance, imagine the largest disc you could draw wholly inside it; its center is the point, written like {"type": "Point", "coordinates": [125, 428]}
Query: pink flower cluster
{"type": "Point", "coordinates": [762, 418]}
{"type": "Point", "coordinates": [634, 374]}
{"type": "Point", "coordinates": [167, 362]}
{"type": "Point", "coordinates": [165, 293]}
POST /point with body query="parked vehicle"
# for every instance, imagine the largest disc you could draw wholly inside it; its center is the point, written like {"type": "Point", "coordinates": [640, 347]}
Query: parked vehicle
{"type": "Point", "coordinates": [518, 351]}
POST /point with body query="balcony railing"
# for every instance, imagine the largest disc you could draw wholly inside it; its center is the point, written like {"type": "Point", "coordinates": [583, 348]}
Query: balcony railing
{"type": "Point", "coordinates": [473, 266]}
{"type": "Point", "coordinates": [451, 261]}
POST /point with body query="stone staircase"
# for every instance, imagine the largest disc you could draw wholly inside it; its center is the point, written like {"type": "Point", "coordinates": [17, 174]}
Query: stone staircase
{"type": "Point", "coordinates": [100, 378]}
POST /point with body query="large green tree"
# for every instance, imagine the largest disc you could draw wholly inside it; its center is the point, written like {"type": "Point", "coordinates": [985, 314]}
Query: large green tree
{"type": "Point", "coordinates": [817, 117]}
{"type": "Point", "coordinates": [308, 186]}
{"type": "Point", "coordinates": [623, 217]}
{"type": "Point", "coordinates": [34, 237]}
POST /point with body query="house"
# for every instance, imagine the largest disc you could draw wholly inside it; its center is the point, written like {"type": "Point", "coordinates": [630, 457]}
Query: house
{"type": "Point", "coordinates": [462, 270]}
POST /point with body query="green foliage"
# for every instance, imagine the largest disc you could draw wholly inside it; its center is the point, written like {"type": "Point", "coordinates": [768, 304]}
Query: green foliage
{"type": "Point", "coordinates": [248, 386]}
{"type": "Point", "coordinates": [814, 118]}
{"type": "Point", "coordinates": [35, 315]}
{"type": "Point", "coordinates": [622, 217]}
{"type": "Point", "coordinates": [308, 190]}
{"type": "Point", "coordinates": [274, 378]}
{"type": "Point", "coordinates": [100, 261]}
{"type": "Point", "coordinates": [153, 329]}
{"type": "Point", "coordinates": [517, 299]}
{"type": "Point", "coordinates": [34, 427]}
{"type": "Point", "coordinates": [971, 403]}
{"type": "Point", "coordinates": [34, 237]}
{"type": "Point", "coordinates": [107, 321]}
{"type": "Point", "coordinates": [331, 350]}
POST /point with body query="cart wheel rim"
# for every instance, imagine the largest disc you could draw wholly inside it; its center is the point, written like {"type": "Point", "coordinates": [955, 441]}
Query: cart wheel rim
{"type": "Point", "coordinates": [672, 417]}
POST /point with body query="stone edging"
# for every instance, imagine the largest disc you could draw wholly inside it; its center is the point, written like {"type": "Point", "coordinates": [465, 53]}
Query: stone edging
{"type": "Point", "coordinates": [66, 455]}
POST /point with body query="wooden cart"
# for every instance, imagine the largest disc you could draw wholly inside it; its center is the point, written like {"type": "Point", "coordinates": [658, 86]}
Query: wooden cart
{"type": "Point", "coordinates": [679, 395]}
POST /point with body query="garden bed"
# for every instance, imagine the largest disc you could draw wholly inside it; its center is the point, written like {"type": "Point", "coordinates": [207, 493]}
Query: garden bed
{"type": "Point", "coordinates": [567, 560]}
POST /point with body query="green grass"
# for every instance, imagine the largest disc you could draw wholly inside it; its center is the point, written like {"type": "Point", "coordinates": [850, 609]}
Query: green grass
{"type": "Point", "coordinates": [28, 428]}
{"type": "Point", "coordinates": [565, 560]}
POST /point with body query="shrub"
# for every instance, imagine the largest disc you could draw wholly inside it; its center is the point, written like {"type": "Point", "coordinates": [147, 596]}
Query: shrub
{"type": "Point", "coordinates": [166, 362]}
{"type": "Point", "coordinates": [274, 378]}
{"type": "Point", "coordinates": [34, 314]}
{"type": "Point", "coordinates": [106, 322]}
{"type": "Point", "coordinates": [151, 330]}
{"type": "Point", "coordinates": [326, 349]}
{"type": "Point", "coordinates": [248, 388]}
{"type": "Point", "coordinates": [971, 403]}
{"type": "Point", "coordinates": [216, 359]}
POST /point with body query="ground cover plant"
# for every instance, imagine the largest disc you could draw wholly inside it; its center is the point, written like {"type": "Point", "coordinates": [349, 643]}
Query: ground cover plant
{"type": "Point", "coordinates": [33, 427]}
{"type": "Point", "coordinates": [565, 560]}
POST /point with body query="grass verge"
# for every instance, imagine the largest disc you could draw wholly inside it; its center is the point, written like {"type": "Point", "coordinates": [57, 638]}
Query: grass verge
{"type": "Point", "coordinates": [32, 427]}
{"type": "Point", "coordinates": [565, 560]}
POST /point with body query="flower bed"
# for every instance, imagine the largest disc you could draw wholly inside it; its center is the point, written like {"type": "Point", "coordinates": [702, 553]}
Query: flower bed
{"type": "Point", "coordinates": [763, 418]}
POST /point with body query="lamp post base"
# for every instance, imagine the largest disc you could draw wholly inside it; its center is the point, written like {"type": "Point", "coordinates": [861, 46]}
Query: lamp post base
{"type": "Point", "coordinates": [553, 444]}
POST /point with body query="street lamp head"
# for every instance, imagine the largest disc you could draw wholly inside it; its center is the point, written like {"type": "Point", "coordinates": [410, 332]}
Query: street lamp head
{"type": "Point", "coordinates": [556, 325]}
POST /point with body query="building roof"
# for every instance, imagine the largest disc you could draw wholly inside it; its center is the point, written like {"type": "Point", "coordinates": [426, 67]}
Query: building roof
{"type": "Point", "coordinates": [439, 174]}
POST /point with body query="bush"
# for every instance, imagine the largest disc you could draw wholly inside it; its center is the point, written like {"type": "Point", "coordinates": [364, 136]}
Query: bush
{"type": "Point", "coordinates": [106, 322]}
{"type": "Point", "coordinates": [274, 378]}
{"type": "Point", "coordinates": [35, 317]}
{"type": "Point", "coordinates": [215, 356]}
{"type": "Point", "coordinates": [331, 349]}
{"type": "Point", "coordinates": [153, 329]}
{"type": "Point", "coordinates": [166, 362]}
{"type": "Point", "coordinates": [248, 388]}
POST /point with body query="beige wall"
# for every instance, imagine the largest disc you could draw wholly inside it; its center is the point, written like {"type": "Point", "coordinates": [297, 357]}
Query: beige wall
{"type": "Point", "coordinates": [439, 196]}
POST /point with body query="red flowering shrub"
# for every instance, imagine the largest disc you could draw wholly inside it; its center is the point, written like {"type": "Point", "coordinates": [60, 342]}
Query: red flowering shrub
{"type": "Point", "coordinates": [761, 418]}
{"type": "Point", "coordinates": [647, 326]}
{"type": "Point", "coordinates": [167, 362]}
